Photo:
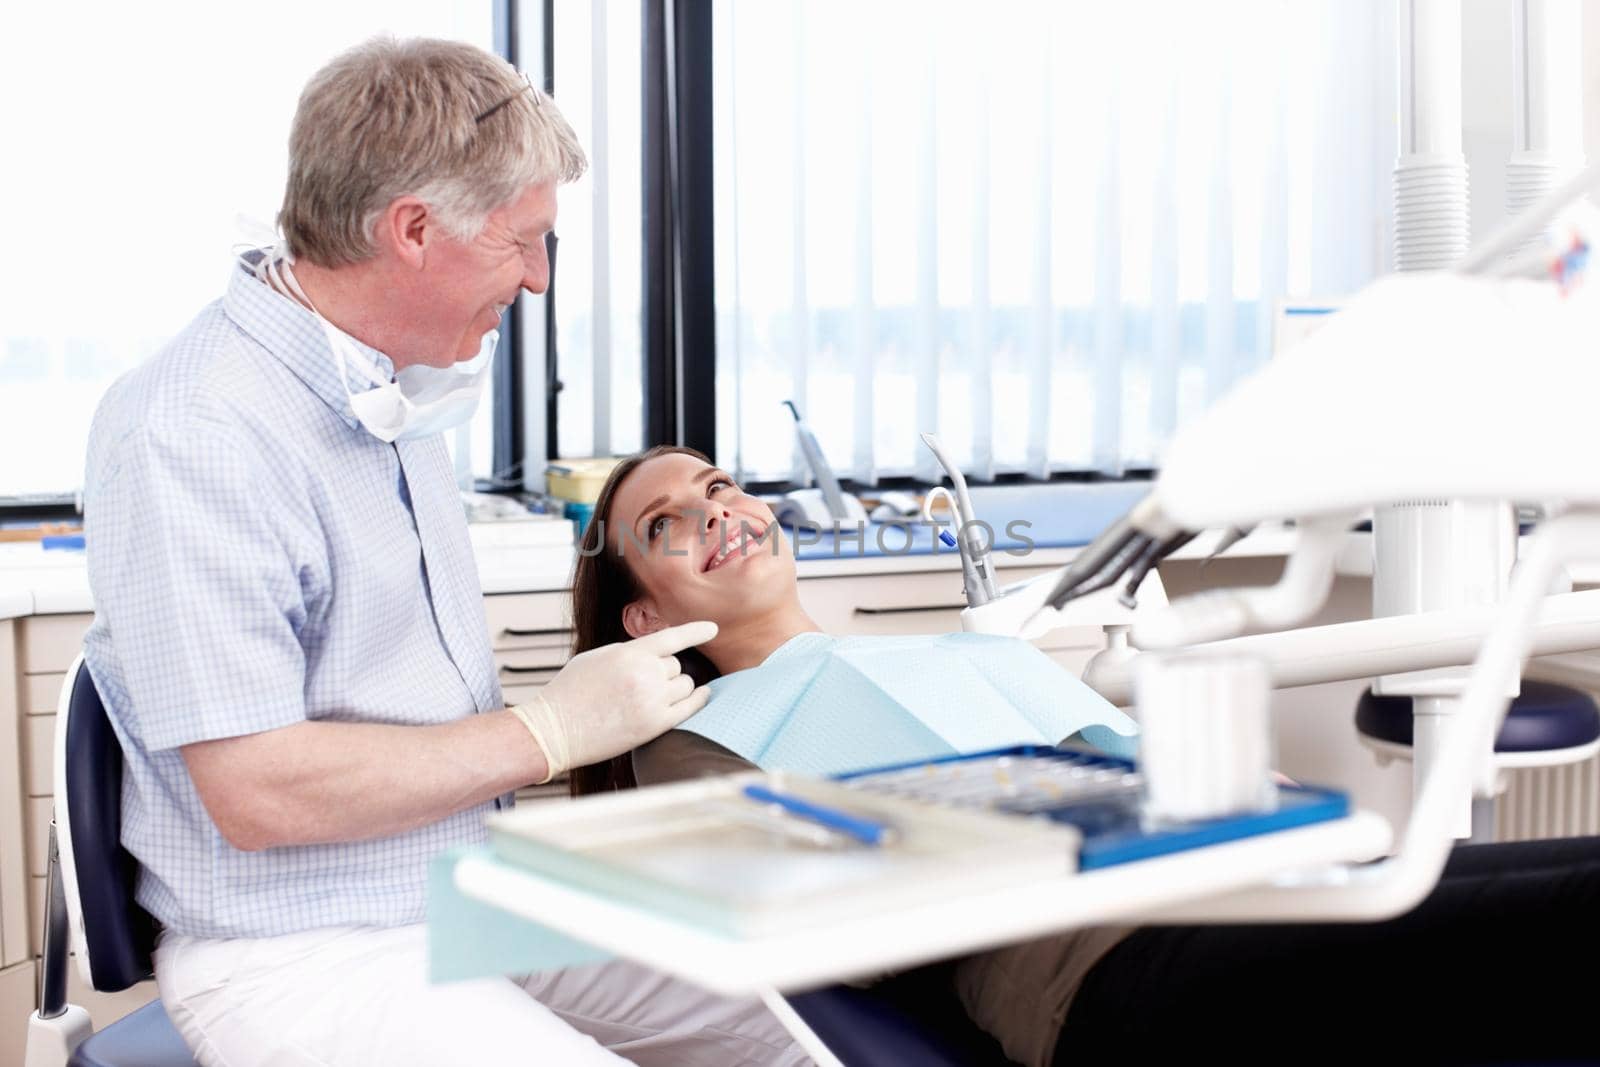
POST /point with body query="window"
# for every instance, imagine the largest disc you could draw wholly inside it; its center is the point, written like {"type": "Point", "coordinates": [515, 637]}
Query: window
{"type": "Point", "coordinates": [599, 264]}
{"type": "Point", "coordinates": [129, 165]}
{"type": "Point", "coordinates": [1048, 232]}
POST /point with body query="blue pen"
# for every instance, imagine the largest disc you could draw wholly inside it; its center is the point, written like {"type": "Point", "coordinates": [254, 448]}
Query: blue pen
{"type": "Point", "coordinates": [866, 831]}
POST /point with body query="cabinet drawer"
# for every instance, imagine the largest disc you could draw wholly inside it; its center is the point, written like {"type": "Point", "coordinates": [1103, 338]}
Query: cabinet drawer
{"type": "Point", "coordinates": [17, 999]}
{"type": "Point", "coordinates": [38, 744]}
{"type": "Point", "coordinates": [37, 832]}
{"type": "Point", "coordinates": [885, 603]}
{"type": "Point", "coordinates": [514, 661]}
{"type": "Point", "coordinates": [529, 620]}
{"type": "Point", "coordinates": [926, 603]}
{"type": "Point", "coordinates": [51, 642]}
{"type": "Point", "coordinates": [42, 692]}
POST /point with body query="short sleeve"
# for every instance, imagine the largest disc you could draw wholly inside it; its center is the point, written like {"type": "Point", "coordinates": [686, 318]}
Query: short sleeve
{"type": "Point", "coordinates": [195, 584]}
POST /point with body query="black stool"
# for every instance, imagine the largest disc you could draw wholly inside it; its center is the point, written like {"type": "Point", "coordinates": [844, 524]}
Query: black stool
{"type": "Point", "coordinates": [1546, 726]}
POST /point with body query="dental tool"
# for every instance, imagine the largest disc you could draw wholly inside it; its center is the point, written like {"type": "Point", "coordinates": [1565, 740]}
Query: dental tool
{"type": "Point", "coordinates": [939, 492]}
{"type": "Point", "coordinates": [976, 565]}
{"type": "Point", "coordinates": [832, 494]}
{"type": "Point", "coordinates": [1230, 537]}
{"type": "Point", "coordinates": [1028, 609]}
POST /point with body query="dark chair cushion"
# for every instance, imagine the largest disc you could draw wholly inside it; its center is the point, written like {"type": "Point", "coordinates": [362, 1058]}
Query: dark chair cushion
{"type": "Point", "coordinates": [909, 1018]}
{"type": "Point", "coordinates": [1543, 718]}
{"type": "Point", "coordinates": [120, 935]}
{"type": "Point", "coordinates": [145, 1038]}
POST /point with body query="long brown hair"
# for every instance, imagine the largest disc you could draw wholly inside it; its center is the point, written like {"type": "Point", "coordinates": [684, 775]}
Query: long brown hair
{"type": "Point", "coordinates": [602, 585]}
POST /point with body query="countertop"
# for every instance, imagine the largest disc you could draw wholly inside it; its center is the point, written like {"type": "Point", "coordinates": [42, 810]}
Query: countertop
{"type": "Point", "coordinates": [1034, 526]}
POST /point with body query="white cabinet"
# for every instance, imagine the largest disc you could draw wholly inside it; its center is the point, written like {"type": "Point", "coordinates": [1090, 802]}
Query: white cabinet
{"type": "Point", "coordinates": [51, 642]}
{"type": "Point", "coordinates": [531, 634]}
{"type": "Point", "coordinates": [16, 968]}
{"type": "Point", "coordinates": [17, 998]}
{"type": "Point", "coordinates": [35, 653]}
{"type": "Point", "coordinates": [926, 603]}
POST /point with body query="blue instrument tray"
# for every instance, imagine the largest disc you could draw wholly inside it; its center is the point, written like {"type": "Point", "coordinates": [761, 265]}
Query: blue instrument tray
{"type": "Point", "coordinates": [1100, 795]}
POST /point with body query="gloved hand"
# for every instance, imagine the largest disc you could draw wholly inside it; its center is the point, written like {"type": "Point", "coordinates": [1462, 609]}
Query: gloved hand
{"type": "Point", "coordinates": [611, 699]}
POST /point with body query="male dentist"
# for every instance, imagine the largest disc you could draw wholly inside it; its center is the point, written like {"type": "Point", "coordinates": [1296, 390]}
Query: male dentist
{"type": "Point", "coordinates": [289, 631]}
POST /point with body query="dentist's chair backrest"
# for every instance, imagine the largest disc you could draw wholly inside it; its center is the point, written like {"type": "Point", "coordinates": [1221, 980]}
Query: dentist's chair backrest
{"type": "Point", "coordinates": [112, 936]}
{"type": "Point", "coordinates": [90, 908]}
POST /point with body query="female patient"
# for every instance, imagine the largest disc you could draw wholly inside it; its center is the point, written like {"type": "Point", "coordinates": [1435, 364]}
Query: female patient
{"type": "Point", "coordinates": [1471, 973]}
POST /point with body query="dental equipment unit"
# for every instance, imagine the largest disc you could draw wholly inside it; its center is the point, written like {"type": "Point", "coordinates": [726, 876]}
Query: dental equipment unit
{"type": "Point", "coordinates": [826, 505]}
{"type": "Point", "coordinates": [1489, 378]}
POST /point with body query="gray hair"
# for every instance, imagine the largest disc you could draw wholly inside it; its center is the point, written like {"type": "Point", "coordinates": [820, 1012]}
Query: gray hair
{"type": "Point", "coordinates": [439, 120]}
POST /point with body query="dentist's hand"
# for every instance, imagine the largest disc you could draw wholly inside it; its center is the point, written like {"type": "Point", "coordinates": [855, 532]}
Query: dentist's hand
{"type": "Point", "coordinates": [609, 700]}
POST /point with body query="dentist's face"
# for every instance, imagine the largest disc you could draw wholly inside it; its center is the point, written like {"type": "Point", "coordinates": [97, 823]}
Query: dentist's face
{"type": "Point", "coordinates": [473, 282]}
{"type": "Point", "coordinates": [698, 545]}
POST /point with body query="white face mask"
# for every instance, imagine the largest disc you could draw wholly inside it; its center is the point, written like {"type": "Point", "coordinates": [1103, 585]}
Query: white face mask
{"type": "Point", "coordinates": [421, 400]}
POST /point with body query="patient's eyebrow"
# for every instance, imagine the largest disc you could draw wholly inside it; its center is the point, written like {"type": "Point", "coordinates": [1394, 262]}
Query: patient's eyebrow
{"type": "Point", "coordinates": [704, 476]}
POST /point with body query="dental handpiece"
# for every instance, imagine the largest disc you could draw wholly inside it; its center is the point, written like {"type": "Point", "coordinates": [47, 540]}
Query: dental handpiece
{"type": "Point", "coordinates": [975, 563]}
{"type": "Point", "coordinates": [832, 494]}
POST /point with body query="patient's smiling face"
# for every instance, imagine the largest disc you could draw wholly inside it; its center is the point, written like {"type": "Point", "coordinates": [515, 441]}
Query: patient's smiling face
{"type": "Point", "coordinates": [698, 545]}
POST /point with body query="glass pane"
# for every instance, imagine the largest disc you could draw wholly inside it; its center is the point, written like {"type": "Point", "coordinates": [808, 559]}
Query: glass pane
{"type": "Point", "coordinates": [1048, 233]}
{"type": "Point", "coordinates": [141, 151]}
{"type": "Point", "coordinates": [599, 308]}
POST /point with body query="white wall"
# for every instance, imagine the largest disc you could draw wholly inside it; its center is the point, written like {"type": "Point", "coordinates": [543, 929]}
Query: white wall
{"type": "Point", "coordinates": [1591, 81]}
{"type": "Point", "coordinates": [1486, 101]}
{"type": "Point", "coordinates": [1486, 107]}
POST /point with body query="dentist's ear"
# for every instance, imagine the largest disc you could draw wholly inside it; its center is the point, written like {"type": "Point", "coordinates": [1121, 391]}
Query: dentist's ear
{"type": "Point", "coordinates": [639, 619]}
{"type": "Point", "coordinates": [405, 227]}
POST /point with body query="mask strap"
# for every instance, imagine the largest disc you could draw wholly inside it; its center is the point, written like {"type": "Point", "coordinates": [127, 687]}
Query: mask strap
{"type": "Point", "coordinates": [280, 275]}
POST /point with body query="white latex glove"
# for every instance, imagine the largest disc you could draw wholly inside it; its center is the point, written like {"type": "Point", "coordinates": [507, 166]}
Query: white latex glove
{"type": "Point", "coordinates": [610, 700]}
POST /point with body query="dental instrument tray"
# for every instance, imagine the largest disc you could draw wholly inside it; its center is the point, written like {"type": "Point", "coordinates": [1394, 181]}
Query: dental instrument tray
{"type": "Point", "coordinates": [758, 853]}
{"type": "Point", "coordinates": [1098, 795]}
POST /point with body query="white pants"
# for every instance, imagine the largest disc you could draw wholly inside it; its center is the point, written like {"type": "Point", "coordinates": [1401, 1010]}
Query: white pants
{"type": "Point", "coordinates": [349, 996]}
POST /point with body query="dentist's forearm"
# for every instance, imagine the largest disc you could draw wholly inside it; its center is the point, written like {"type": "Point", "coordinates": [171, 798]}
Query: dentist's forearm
{"type": "Point", "coordinates": [320, 782]}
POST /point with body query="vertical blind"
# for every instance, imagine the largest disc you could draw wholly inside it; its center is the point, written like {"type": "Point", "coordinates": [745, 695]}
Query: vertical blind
{"type": "Point", "coordinates": [1048, 232]}
{"type": "Point", "coordinates": [598, 280]}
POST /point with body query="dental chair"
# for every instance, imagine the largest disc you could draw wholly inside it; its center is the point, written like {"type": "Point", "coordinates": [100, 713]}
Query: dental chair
{"type": "Point", "coordinates": [90, 908]}
{"type": "Point", "coordinates": [909, 1018]}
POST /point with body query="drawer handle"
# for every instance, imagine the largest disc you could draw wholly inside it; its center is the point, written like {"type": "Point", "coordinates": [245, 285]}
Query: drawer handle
{"type": "Point", "coordinates": [507, 669]}
{"type": "Point", "coordinates": [511, 631]}
{"type": "Point", "coordinates": [910, 609]}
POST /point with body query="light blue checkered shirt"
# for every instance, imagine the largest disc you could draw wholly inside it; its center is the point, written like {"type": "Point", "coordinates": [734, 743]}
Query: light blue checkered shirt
{"type": "Point", "coordinates": [258, 559]}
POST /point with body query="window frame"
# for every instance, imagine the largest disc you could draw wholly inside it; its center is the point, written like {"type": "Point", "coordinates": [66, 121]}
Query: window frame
{"type": "Point", "coordinates": [680, 331]}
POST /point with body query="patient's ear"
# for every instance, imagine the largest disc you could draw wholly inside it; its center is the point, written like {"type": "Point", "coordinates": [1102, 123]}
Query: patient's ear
{"type": "Point", "coordinates": [639, 618]}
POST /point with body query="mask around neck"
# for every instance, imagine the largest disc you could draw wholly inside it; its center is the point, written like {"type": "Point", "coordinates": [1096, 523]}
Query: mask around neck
{"type": "Point", "coordinates": [420, 401]}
